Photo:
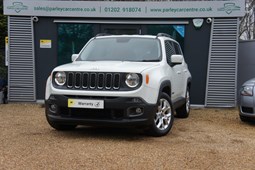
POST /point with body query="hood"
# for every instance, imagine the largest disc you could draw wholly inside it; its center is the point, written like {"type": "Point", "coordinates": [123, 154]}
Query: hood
{"type": "Point", "coordinates": [250, 82]}
{"type": "Point", "coordinates": [107, 66]}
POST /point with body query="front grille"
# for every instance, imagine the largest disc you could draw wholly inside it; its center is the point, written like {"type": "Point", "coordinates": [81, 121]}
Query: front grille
{"type": "Point", "coordinates": [247, 110]}
{"type": "Point", "coordinates": [93, 81]}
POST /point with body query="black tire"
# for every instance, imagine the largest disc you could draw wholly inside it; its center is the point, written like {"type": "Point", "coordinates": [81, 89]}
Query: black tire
{"type": "Point", "coordinates": [59, 126]}
{"type": "Point", "coordinates": [162, 125]}
{"type": "Point", "coordinates": [183, 111]}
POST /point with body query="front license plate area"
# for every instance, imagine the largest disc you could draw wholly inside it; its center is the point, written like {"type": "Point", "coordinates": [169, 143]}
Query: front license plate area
{"type": "Point", "coordinates": [88, 104]}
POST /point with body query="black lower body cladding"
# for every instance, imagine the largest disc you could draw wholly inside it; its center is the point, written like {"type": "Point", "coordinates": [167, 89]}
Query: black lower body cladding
{"type": "Point", "coordinates": [117, 111]}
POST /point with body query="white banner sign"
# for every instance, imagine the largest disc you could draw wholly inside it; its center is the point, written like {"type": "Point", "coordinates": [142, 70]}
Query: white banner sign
{"type": "Point", "coordinates": [127, 9]}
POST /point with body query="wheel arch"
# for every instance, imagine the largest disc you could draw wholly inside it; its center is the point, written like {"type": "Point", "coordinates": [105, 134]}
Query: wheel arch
{"type": "Point", "coordinates": [165, 87]}
{"type": "Point", "coordinates": [189, 82]}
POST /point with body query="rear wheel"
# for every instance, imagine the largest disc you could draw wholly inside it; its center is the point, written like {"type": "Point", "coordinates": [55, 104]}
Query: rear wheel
{"type": "Point", "coordinates": [183, 111]}
{"type": "Point", "coordinates": [163, 118]}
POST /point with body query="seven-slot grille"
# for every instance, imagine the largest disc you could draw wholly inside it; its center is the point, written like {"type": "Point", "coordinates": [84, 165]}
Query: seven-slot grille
{"type": "Point", "coordinates": [93, 81]}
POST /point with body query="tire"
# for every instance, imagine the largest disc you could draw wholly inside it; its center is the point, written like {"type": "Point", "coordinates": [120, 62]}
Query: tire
{"type": "Point", "coordinates": [163, 118]}
{"type": "Point", "coordinates": [183, 111]}
{"type": "Point", "coordinates": [59, 126]}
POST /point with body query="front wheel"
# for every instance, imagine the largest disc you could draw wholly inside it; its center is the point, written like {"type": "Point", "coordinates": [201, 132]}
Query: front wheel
{"type": "Point", "coordinates": [163, 118]}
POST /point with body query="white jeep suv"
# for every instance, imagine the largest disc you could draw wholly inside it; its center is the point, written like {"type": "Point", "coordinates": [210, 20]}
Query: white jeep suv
{"type": "Point", "coordinates": [121, 80]}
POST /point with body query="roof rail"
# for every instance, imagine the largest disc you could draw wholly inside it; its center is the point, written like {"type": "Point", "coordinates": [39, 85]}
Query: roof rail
{"type": "Point", "coordinates": [163, 35]}
{"type": "Point", "coordinates": [102, 34]}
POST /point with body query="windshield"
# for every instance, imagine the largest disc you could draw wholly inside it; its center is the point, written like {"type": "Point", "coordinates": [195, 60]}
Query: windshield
{"type": "Point", "coordinates": [122, 49]}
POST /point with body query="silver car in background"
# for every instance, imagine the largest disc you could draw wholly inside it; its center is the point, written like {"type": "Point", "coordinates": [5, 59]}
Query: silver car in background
{"type": "Point", "coordinates": [247, 101]}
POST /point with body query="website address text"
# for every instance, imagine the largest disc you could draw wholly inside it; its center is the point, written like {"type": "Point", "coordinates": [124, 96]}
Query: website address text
{"type": "Point", "coordinates": [176, 10]}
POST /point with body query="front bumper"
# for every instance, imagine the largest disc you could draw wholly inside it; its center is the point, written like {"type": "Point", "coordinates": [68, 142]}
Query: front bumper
{"type": "Point", "coordinates": [247, 106]}
{"type": "Point", "coordinates": [118, 111]}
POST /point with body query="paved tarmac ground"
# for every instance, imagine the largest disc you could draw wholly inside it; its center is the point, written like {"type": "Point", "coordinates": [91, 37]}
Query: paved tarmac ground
{"type": "Point", "coordinates": [208, 139]}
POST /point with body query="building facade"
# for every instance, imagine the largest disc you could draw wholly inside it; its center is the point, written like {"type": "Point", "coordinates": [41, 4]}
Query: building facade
{"type": "Point", "coordinates": [44, 34]}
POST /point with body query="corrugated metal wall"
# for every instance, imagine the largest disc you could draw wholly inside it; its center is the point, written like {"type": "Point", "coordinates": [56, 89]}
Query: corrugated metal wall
{"type": "Point", "coordinates": [21, 73]}
{"type": "Point", "coordinates": [222, 63]}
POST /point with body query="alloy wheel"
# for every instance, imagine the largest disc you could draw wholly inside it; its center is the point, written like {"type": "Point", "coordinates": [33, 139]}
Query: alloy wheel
{"type": "Point", "coordinates": [164, 115]}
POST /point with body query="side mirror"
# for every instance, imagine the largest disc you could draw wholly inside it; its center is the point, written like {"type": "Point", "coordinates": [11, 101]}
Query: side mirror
{"type": "Point", "coordinates": [176, 59]}
{"type": "Point", "coordinates": [74, 56]}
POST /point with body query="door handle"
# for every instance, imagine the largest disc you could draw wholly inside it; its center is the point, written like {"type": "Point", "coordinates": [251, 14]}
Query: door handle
{"type": "Point", "coordinates": [178, 72]}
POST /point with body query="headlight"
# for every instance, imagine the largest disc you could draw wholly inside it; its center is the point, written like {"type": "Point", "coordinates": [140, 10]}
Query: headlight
{"type": "Point", "coordinates": [60, 78]}
{"type": "Point", "coordinates": [132, 80]}
{"type": "Point", "coordinates": [247, 91]}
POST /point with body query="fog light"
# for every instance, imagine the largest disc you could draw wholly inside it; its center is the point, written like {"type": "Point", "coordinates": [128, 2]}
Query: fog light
{"type": "Point", "coordinates": [135, 111]}
{"type": "Point", "coordinates": [138, 110]}
{"type": "Point", "coordinates": [53, 108]}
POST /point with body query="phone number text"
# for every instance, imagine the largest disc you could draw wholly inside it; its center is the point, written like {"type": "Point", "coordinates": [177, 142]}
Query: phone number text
{"type": "Point", "coordinates": [118, 9]}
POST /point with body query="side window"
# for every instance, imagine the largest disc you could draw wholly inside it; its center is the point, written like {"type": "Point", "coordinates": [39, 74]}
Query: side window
{"type": "Point", "coordinates": [169, 51]}
{"type": "Point", "coordinates": [177, 48]}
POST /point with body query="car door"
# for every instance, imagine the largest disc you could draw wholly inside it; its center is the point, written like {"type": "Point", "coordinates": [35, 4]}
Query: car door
{"type": "Point", "coordinates": [174, 71]}
{"type": "Point", "coordinates": [182, 68]}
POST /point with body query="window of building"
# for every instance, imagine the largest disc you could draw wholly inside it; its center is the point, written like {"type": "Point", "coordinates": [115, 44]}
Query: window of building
{"type": "Point", "coordinates": [73, 36]}
{"type": "Point", "coordinates": [71, 39]}
{"type": "Point", "coordinates": [177, 32]}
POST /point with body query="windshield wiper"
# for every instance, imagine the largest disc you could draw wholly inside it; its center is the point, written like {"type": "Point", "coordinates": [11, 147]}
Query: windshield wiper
{"type": "Point", "coordinates": [153, 60]}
